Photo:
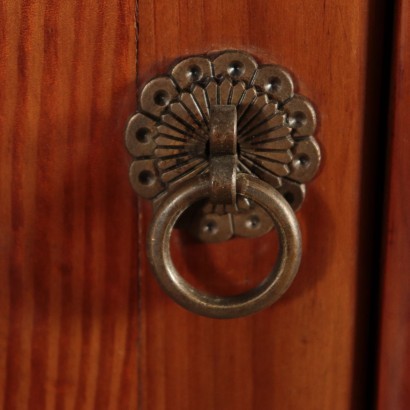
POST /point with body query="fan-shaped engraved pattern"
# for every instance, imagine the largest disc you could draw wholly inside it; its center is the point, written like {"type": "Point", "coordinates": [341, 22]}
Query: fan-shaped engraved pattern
{"type": "Point", "coordinates": [168, 136]}
{"type": "Point", "coordinates": [275, 126]}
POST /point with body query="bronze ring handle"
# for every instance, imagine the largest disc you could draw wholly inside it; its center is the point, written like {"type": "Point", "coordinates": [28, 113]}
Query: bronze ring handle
{"type": "Point", "coordinates": [267, 292]}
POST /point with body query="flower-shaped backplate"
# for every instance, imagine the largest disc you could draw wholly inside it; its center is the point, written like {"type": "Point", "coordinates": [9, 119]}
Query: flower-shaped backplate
{"type": "Point", "coordinates": [168, 137]}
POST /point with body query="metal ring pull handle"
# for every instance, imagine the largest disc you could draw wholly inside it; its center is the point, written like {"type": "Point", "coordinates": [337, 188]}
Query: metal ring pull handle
{"type": "Point", "coordinates": [267, 292]}
{"type": "Point", "coordinates": [229, 139]}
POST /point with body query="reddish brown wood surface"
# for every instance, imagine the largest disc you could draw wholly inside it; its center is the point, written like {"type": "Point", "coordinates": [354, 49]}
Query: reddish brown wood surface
{"type": "Point", "coordinates": [76, 330]}
{"type": "Point", "coordinates": [68, 239]}
{"type": "Point", "coordinates": [394, 356]}
{"type": "Point", "coordinates": [310, 349]}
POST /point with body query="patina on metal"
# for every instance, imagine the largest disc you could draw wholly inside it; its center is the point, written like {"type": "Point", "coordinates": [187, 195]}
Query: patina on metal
{"type": "Point", "coordinates": [230, 140]}
{"type": "Point", "coordinates": [170, 137]}
{"type": "Point", "coordinates": [244, 304]}
{"type": "Point", "coordinates": [222, 154]}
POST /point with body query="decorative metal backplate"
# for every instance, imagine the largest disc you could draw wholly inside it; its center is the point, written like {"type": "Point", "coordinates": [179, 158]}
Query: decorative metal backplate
{"type": "Point", "coordinates": [169, 137]}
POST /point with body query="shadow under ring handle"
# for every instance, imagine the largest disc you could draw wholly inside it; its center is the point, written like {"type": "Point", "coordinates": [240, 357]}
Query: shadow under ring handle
{"type": "Point", "coordinates": [260, 297]}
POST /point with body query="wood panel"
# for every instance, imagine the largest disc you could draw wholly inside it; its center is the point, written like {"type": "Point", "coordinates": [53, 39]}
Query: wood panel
{"type": "Point", "coordinates": [68, 267]}
{"type": "Point", "coordinates": [309, 350]}
{"type": "Point", "coordinates": [394, 355]}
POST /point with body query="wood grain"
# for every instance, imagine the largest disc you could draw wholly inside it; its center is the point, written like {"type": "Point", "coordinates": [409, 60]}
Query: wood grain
{"type": "Point", "coordinates": [76, 330]}
{"type": "Point", "coordinates": [68, 273]}
{"type": "Point", "coordinates": [310, 350]}
{"type": "Point", "coordinates": [394, 355]}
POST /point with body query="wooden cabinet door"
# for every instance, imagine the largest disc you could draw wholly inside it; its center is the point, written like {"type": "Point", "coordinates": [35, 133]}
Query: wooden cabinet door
{"type": "Point", "coordinates": [84, 325]}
